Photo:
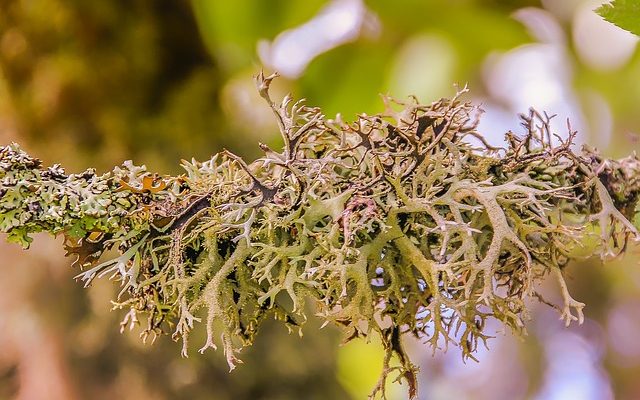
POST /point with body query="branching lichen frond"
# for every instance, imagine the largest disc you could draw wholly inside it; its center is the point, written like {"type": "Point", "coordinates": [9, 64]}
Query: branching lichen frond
{"type": "Point", "coordinates": [393, 224]}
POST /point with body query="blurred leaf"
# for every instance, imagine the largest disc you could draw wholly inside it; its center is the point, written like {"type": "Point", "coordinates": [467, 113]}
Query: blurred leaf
{"type": "Point", "coordinates": [474, 30]}
{"type": "Point", "coordinates": [232, 29]}
{"type": "Point", "coordinates": [362, 67]}
{"type": "Point", "coordinates": [424, 66]}
{"type": "Point", "coordinates": [623, 13]}
{"type": "Point", "coordinates": [359, 366]}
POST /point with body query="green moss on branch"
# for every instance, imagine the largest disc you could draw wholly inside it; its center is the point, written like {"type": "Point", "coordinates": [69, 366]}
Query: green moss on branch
{"type": "Point", "coordinates": [393, 224]}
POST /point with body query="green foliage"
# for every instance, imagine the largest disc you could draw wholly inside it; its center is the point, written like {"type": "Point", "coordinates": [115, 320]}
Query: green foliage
{"type": "Point", "coordinates": [623, 13]}
{"type": "Point", "coordinates": [393, 224]}
{"type": "Point", "coordinates": [109, 80]}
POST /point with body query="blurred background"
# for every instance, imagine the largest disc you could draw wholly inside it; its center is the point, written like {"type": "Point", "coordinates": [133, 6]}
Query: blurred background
{"type": "Point", "coordinates": [93, 83]}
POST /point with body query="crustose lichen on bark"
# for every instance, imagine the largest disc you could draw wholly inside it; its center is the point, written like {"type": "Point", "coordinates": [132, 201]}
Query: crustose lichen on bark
{"type": "Point", "coordinates": [394, 224]}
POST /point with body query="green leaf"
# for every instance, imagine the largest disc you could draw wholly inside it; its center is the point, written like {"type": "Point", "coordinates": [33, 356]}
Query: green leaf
{"type": "Point", "coordinates": [623, 13]}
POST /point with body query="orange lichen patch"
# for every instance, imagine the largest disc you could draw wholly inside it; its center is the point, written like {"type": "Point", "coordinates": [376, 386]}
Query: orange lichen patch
{"type": "Point", "coordinates": [148, 184]}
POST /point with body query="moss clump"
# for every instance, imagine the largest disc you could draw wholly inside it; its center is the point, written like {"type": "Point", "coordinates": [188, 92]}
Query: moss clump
{"type": "Point", "coordinates": [393, 224]}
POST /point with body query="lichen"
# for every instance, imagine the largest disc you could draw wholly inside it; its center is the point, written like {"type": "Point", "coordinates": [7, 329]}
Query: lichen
{"type": "Point", "coordinates": [402, 223]}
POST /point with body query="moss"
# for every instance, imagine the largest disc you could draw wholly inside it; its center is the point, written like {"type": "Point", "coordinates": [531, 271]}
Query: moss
{"type": "Point", "coordinates": [392, 225]}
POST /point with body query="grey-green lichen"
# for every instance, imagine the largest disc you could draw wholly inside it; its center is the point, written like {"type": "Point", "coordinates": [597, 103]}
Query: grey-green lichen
{"type": "Point", "coordinates": [393, 224]}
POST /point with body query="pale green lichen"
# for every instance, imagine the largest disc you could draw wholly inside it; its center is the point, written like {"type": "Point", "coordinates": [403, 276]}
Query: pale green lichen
{"type": "Point", "coordinates": [393, 224]}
